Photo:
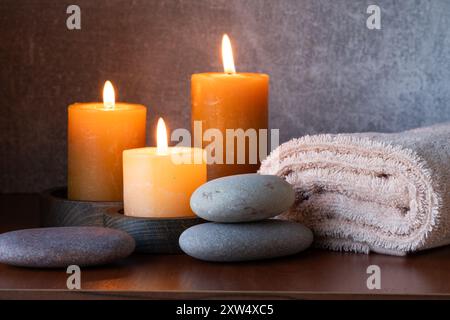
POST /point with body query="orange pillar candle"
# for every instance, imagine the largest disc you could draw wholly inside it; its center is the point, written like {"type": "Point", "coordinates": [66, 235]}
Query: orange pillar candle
{"type": "Point", "coordinates": [158, 182]}
{"type": "Point", "coordinates": [229, 100]}
{"type": "Point", "coordinates": [97, 135]}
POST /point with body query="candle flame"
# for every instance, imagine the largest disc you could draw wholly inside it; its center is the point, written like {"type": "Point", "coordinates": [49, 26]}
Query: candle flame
{"type": "Point", "coordinates": [109, 99]}
{"type": "Point", "coordinates": [161, 138]}
{"type": "Point", "coordinates": [227, 55]}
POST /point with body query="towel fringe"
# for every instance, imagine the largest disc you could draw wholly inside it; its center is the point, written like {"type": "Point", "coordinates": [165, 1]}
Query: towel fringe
{"type": "Point", "coordinates": [359, 153]}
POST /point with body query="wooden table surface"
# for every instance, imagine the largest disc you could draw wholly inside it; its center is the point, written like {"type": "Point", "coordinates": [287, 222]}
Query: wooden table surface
{"type": "Point", "coordinates": [311, 274]}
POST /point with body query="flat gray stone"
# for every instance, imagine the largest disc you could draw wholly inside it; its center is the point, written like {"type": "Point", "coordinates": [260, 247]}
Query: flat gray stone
{"type": "Point", "coordinates": [245, 241]}
{"type": "Point", "coordinates": [242, 198]}
{"type": "Point", "coordinates": [61, 247]}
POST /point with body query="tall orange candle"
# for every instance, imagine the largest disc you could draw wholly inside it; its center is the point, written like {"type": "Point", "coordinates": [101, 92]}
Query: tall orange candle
{"type": "Point", "coordinates": [97, 135]}
{"type": "Point", "coordinates": [229, 100]}
{"type": "Point", "coordinates": [159, 182]}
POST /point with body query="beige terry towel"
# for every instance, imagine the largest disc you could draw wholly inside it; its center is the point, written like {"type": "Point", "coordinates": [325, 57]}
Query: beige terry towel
{"type": "Point", "coordinates": [387, 193]}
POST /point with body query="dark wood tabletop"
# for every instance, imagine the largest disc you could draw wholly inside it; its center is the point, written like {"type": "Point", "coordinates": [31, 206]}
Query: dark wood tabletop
{"type": "Point", "coordinates": [311, 274]}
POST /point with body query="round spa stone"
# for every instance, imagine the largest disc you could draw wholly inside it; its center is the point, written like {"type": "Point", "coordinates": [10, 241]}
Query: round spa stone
{"type": "Point", "coordinates": [242, 198]}
{"type": "Point", "coordinates": [245, 241]}
{"type": "Point", "coordinates": [61, 247]}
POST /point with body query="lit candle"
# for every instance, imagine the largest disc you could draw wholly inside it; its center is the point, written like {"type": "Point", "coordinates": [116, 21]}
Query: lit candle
{"type": "Point", "coordinates": [229, 100]}
{"type": "Point", "coordinates": [158, 182]}
{"type": "Point", "coordinates": [97, 135]}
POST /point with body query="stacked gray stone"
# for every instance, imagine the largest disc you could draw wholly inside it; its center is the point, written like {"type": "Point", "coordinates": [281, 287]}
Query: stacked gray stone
{"type": "Point", "coordinates": [241, 209]}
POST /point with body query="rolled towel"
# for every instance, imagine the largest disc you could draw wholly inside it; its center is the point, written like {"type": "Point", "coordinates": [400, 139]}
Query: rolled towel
{"type": "Point", "coordinates": [386, 193]}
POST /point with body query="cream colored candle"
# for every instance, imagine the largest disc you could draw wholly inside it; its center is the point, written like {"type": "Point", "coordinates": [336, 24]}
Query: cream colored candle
{"type": "Point", "coordinates": [156, 184]}
{"type": "Point", "coordinates": [97, 135]}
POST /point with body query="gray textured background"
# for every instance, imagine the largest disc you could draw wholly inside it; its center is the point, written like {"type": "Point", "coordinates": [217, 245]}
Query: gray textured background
{"type": "Point", "coordinates": [329, 73]}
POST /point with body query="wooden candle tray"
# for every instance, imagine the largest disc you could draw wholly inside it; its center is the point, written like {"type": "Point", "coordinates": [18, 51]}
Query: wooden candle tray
{"type": "Point", "coordinates": [152, 235]}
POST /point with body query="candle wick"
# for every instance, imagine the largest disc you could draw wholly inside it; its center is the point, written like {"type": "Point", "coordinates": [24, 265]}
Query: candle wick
{"type": "Point", "coordinates": [109, 105]}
